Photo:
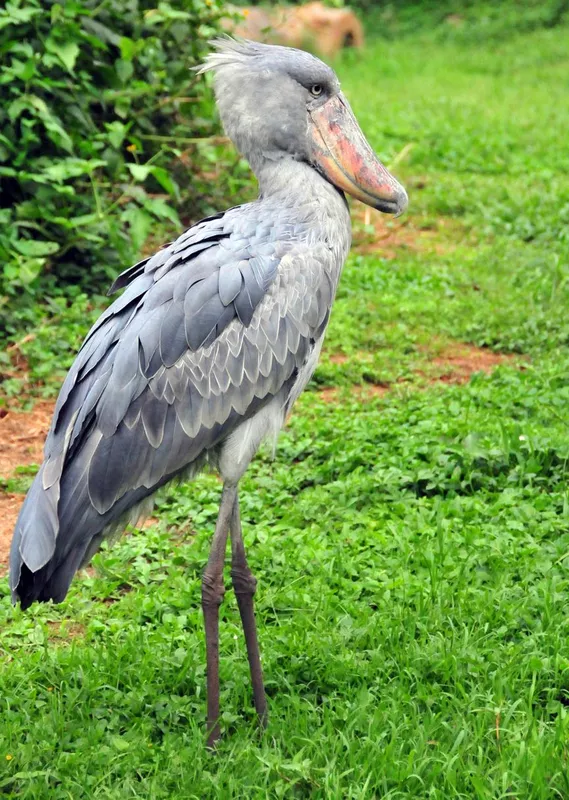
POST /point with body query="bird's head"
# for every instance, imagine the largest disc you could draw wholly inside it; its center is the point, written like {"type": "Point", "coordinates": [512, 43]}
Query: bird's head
{"type": "Point", "coordinates": [277, 102]}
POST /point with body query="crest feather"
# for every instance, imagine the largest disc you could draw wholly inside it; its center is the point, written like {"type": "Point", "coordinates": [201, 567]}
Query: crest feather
{"type": "Point", "coordinates": [229, 50]}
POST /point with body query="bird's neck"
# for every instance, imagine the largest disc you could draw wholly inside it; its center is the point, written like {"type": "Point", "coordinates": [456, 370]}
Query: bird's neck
{"type": "Point", "coordinates": [295, 182]}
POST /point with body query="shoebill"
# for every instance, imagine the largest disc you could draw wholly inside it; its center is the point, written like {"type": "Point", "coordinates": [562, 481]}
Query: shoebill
{"type": "Point", "coordinates": [211, 342]}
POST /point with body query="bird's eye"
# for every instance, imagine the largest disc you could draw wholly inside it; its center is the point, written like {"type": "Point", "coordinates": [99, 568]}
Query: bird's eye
{"type": "Point", "coordinates": [316, 89]}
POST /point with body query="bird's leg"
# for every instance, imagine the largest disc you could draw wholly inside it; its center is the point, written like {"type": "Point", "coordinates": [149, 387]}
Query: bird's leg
{"type": "Point", "coordinates": [244, 585]}
{"type": "Point", "coordinates": [212, 595]}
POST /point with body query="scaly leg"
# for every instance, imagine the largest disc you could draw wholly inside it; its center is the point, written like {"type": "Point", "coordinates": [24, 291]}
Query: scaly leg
{"type": "Point", "coordinates": [244, 585]}
{"type": "Point", "coordinates": [212, 596]}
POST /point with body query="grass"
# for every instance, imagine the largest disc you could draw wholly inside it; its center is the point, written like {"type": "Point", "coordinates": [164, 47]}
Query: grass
{"type": "Point", "coordinates": [411, 550]}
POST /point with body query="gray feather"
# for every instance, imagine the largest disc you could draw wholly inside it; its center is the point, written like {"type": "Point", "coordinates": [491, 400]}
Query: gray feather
{"type": "Point", "coordinates": [230, 282]}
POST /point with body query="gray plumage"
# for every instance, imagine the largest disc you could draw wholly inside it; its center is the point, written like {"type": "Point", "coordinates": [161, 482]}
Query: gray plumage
{"type": "Point", "coordinates": [203, 336]}
{"type": "Point", "coordinates": [211, 341]}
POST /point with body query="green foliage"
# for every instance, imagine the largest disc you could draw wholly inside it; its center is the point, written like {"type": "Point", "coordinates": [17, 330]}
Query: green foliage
{"type": "Point", "coordinates": [464, 19]}
{"type": "Point", "coordinates": [517, 13]}
{"type": "Point", "coordinates": [56, 329]}
{"type": "Point", "coordinates": [96, 100]}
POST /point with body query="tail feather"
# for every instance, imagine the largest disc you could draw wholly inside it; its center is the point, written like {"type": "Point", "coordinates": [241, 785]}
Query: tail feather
{"type": "Point", "coordinates": [37, 563]}
{"type": "Point", "coordinates": [55, 528]}
{"type": "Point", "coordinates": [59, 530]}
{"type": "Point", "coordinates": [35, 534]}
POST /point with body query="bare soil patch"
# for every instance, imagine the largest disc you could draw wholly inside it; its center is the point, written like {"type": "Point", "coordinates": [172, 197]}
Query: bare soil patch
{"type": "Point", "coordinates": [64, 631]}
{"type": "Point", "coordinates": [327, 30]}
{"type": "Point", "coordinates": [9, 510]}
{"type": "Point", "coordinates": [22, 435]}
{"type": "Point", "coordinates": [330, 394]}
{"type": "Point", "coordinates": [370, 390]}
{"type": "Point", "coordinates": [376, 233]}
{"type": "Point", "coordinates": [459, 362]}
{"type": "Point", "coordinates": [366, 391]}
{"type": "Point", "coordinates": [453, 364]}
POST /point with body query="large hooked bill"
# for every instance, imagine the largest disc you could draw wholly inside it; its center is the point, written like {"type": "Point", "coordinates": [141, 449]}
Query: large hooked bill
{"type": "Point", "coordinates": [344, 155]}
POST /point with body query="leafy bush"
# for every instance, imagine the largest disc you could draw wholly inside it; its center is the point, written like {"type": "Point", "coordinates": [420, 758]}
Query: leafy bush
{"type": "Point", "coordinates": [95, 99]}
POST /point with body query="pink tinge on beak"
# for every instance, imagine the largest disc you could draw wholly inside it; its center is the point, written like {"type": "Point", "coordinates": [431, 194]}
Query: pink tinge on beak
{"type": "Point", "coordinates": [345, 157]}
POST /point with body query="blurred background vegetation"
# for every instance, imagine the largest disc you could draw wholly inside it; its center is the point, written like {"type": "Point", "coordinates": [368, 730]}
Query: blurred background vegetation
{"type": "Point", "coordinates": [109, 143]}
